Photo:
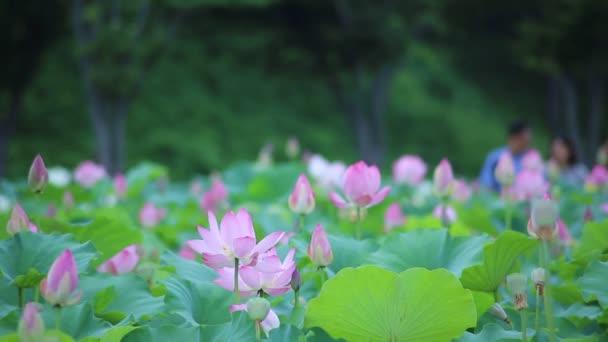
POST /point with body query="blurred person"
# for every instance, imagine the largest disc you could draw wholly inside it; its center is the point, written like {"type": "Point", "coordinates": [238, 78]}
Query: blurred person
{"type": "Point", "coordinates": [519, 139]}
{"type": "Point", "coordinates": [565, 163]}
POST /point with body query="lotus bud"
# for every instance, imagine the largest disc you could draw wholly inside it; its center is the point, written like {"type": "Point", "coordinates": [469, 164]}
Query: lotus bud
{"type": "Point", "coordinates": [539, 276]}
{"type": "Point", "coordinates": [319, 251]}
{"type": "Point", "coordinates": [302, 199]}
{"type": "Point", "coordinates": [258, 308]}
{"type": "Point", "coordinates": [588, 215]}
{"type": "Point", "coordinates": [31, 325]}
{"type": "Point", "coordinates": [60, 287]}
{"type": "Point", "coordinates": [18, 222]}
{"type": "Point", "coordinates": [543, 221]}
{"type": "Point", "coordinates": [296, 280]}
{"type": "Point", "coordinates": [292, 148]}
{"type": "Point", "coordinates": [497, 311]}
{"type": "Point", "coordinates": [68, 200]}
{"type": "Point", "coordinates": [443, 178]}
{"type": "Point", "coordinates": [517, 282]}
{"type": "Point", "coordinates": [505, 170]}
{"type": "Point", "coordinates": [120, 185]}
{"type": "Point", "coordinates": [38, 177]}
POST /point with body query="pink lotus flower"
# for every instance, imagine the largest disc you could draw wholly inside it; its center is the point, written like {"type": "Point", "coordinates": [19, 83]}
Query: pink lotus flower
{"type": "Point", "coordinates": [87, 174]}
{"type": "Point", "coordinates": [409, 170]}
{"type": "Point", "coordinates": [19, 222]}
{"type": "Point", "coordinates": [461, 191]}
{"type": "Point", "coordinates": [532, 160]}
{"type": "Point", "coordinates": [120, 185]}
{"type": "Point", "coordinates": [393, 217]}
{"type": "Point", "coordinates": [319, 251]}
{"type": "Point", "coordinates": [442, 178]}
{"type": "Point", "coordinates": [563, 234]}
{"type": "Point", "coordinates": [38, 177]}
{"type": "Point", "coordinates": [123, 262]}
{"type": "Point", "coordinates": [187, 253]}
{"type": "Point", "coordinates": [598, 176]}
{"type": "Point", "coordinates": [59, 288]}
{"type": "Point", "coordinates": [31, 325]}
{"type": "Point", "coordinates": [361, 185]}
{"type": "Point", "coordinates": [302, 199]}
{"type": "Point", "coordinates": [216, 196]}
{"type": "Point", "coordinates": [530, 184]}
{"type": "Point", "coordinates": [604, 208]}
{"type": "Point", "coordinates": [450, 213]}
{"type": "Point", "coordinates": [505, 169]}
{"type": "Point", "coordinates": [150, 216]}
{"type": "Point", "coordinates": [270, 322]}
{"type": "Point", "coordinates": [251, 281]}
{"type": "Point", "coordinates": [327, 175]}
{"type": "Point", "coordinates": [235, 239]}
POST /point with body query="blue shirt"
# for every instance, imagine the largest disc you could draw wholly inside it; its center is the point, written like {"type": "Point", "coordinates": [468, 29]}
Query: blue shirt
{"type": "Point", "coordinates": [487, 178]}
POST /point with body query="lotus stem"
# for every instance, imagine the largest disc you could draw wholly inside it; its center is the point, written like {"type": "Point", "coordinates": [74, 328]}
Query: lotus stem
{"type": "Point", "coordinates": [537, 314]}
{"type": "Point", "coordinates": [547, 292]}
{"type": "Point", "coordinates": [58, 318]}
{"type": "Point", "coordinates": [237, 297]}
{"type": "Point", "coordinates": [524, 325]}
{"type": "Point", "coordinates": [20, 296]}
{"type": "Point", "coordinates": [358, 227]}
{"type": "Point", "coordinates": [257, 331]}
{"type": "Point", "coordinates": [508, 215]}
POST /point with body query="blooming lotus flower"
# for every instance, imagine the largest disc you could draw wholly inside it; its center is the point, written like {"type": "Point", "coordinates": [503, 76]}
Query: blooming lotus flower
{"type": "Point", "coordinates": [150, 216]}
{"type": "Point", "coordinates": [270, 322]}
{"type": "Point", "coordinates": [598, 176]}
{"type": "Point", "coordinates": [461, 192]}
{"type": "Point", "coordinates": [302, 199]}
{"type": "Point", "coordinates": [59, 176]}
{"type": "Point", "coordinates": [532, 160]}
{"type": "Point", "coordinates": [409, 169]}
{"type": "Point", "coordinates": [19, 222]}
{"type": "Point", "coordinates": [120, 185]}
{"type": "Point", "coordinates": [38, 177]}
{"type": "Point", "coordinates": [543, 219]}
{"type": "Point", "coordinates": [292, 148]}
{"type": "Point", "coordinates": [187, 253]}
{"type": "Point", "coordinates": [31, 325]}
{"type": "Point", "coordinates": [327, 175]}
{"type": "Point", "coordinates": [442, 178]}
{"type": "Point", "coordinates": [251, 280]}
{"type": "Point", "coordinates": [87, 174]}
{"type": "Point", "coordinates": [217, 195]}
{"type": "Point", "coordinates": [450, 213]}
{"type": "Point", "coordinates": [235, 239]}
{"type": "Point", "coordinates": [59, 288]}
{"type": "Point", "coordinates": [505, 169]}
{"type": "Point", "coordinates": [393, 217]}
{"type": "Point", "coordinates": [530, 184]}
{"type": "Point", "coordinates": [360, 184]}
{"type": "Point", "coordinates": [319, 251]}
{"type": "Point", "coordinates": [563, 234]}
{"type": "Point", "coordinates": [123, 262]}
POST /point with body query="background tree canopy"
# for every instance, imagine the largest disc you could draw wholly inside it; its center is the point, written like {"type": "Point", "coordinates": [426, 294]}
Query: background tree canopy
{"type": "Point", "coordinates": [197, 84]}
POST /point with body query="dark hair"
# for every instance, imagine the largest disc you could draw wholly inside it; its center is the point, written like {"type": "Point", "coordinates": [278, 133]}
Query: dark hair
{"type": "Point", "coordinates": [517, 127]}
{"type": "Point", "coordinates": [572, 157]}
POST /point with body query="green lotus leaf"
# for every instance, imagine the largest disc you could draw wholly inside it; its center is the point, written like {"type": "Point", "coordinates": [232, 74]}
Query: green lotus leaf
{"type": "Point", "coordinates": [593, 283]}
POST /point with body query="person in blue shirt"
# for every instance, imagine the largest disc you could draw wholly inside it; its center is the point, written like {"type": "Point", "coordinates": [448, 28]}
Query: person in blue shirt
{"type": "Point", "coordinates": [518, 143]}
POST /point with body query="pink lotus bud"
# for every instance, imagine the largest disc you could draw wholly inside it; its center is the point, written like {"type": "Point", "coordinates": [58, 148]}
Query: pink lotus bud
{"type": "Point", "coordinates": [409, 170]}
{"type": "Point", "coordinates": [51, 210]}
{"type": "Point", "coordinates": [120, 185]}
{"type": "Point", "coordinates": [598, 176]}
{"type": "Point", "coordinates": [19, 222]}
{"type": "Point", "coordinates": [215, 197]}
{"type": "Point", "coordinates": [442, 178]}
{"type": "Point", "coordinates": [361, 186]}
{"type": "Point", "coordinates": [505, 170]}
{"type": "Point", "coordinates": [302, 199]}
{"type": "Point", "coordinates": [292, 148]}
{"type": "Point", "coordinates": [563, 234]}
{"type": "Point", "coordinates": [68, 200]}
{"type": "Point", "coordinates": [319, 250]}
{"type": "Point", "coordinates": [588, 215]}
{"type": "Point", "coordinates": [59, 288]}
{"type": "Point", "coordinates": [123, 262]}
{"type": "Point", "coordinates": [450, 213]}
{"type": "Point", "coordinates": [38, 177]}
{"type": "Point", "coordinates": [265, 156]}
{"type": "Point", "coordinates": [543, 220]}
{"type": "Point", "coordinates": [393, 217]}
{"type": "Point", "coordinates": [461, 192]}
{"type": "Point", "coordinates": [150, 216]}
{"type": "Point", "coordinates": [296, 280]}
{"type": "Point", "coordinates": [87, 174]}
{"type": "Point", "coordinates": [530, 185]}
{"type": "Point", "coordinates": [532, 160]}
{"type": "Point", "coordinates": [31, 325]}
{"type": "Point", "coordinates": [604, 207]}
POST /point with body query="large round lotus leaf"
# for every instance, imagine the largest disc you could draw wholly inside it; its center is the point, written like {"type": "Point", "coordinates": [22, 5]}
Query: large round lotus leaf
{"type": "Point", "coordinates": [373, 304]}
{"type": "Point", "coordinates": [429, 249]}
{"type": "Point", "coordinates": [593, 283]}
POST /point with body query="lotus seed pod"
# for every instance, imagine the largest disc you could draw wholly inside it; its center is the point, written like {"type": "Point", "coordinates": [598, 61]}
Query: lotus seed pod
{"type": "Point", "coordinates": [258, 308]}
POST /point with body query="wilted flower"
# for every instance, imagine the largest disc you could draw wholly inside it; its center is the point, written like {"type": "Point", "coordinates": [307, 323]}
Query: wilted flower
{"type": "Point", "coordinates": [393, 217]}
{"type": "Point", "coordinates": [442, 178]}
{"type": "Point", "coordinates": [216, 196]}
{"type": "Point", "coordinates": [59, 288]}
{"type": "Point", "coordinates": [409, 169]}
{"type": "Point", "coordinates": [497, 311]}
{"type": "Point", "coordinates": [450, 213]}
{"type": "Point", "coordinates": [532, 160]}
{"type": "Point", "coordinates": [120, 185]}
{"type": "Point", "coordinates": [270, 322]}
{"type": "Point", "coordinates": [150, 216]}
{"type": "Point", "coordinates": [87, 174]}
{"type": "Point", "coordinates": [19, 222]}
{"type": "Point", "coordinates": [319, 251]}
{"type": "Point", "coordinates": [530, 184]}
{"type": "Point", "coordinates": [292, 148]}
{"type": "Point", "coordinates": [361, 186]}
{"type": "Point", "coordinates": [59, 176]}
{"type": "Point", "coordinates": [461, 191]}
{"type": "Point", "coordinates": [539, 276]}
{"type": "Point", "coordinates": [31, 325]}
{"type": "Point", "coordinates": [123, 262]}
{"type": "Point", "coordinates": [234, 239]}
{"type": "Point", "coordinates": [38, 177]}
{"type": "Point", "coordinates": [505, 170]}
{"type": "Point", "coordinates": [517, 283]}
{"type": "Point", "coordinates": [543, 221]}
{"type": "Point", "coordinates": [302, 199]}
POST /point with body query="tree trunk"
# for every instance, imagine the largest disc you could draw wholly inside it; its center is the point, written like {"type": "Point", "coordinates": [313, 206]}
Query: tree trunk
{"type": "Point", "coordinates": [571, 114]}
{"type": "Point", "coordinates": [119, 134]}
{"type": "Point", "coordinates": [380, 92]}
{"type": "Point", "coordinates": [596, 108]}
{"type": "Point", "coordinates": [7, 128]}
{"type": "Point", "coordinates": [553, 105]}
